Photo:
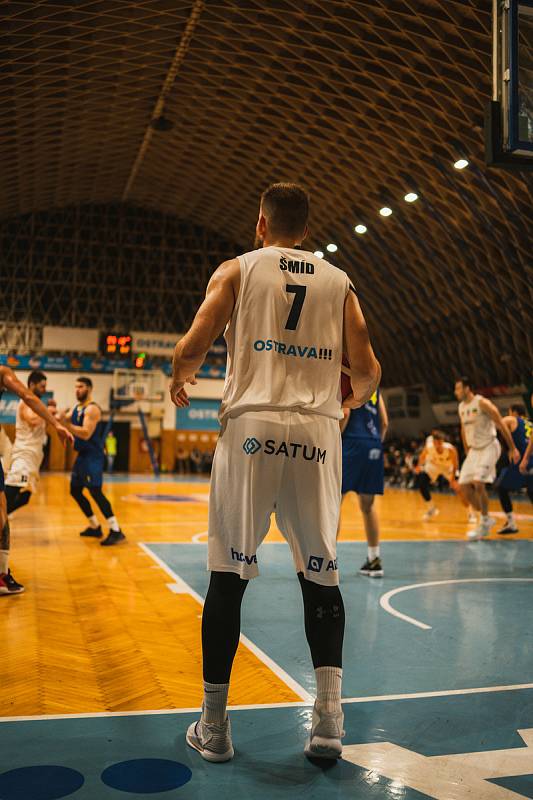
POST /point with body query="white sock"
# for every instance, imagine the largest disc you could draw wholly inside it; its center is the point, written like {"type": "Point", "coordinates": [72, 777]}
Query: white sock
{"type": "Point", "coordinates": [328, 688]}
{"type": "Point", "coordinates": [113, 524]}
{"type": "Point", "coordinates": [485, 519]}
{"type": "Point", "coordinates": [93, 521]}
{"type": "Point", "coordinates": [373, 552]}
{"type": "Point", "coordinates": [215, 702]}
{"type": "Point", "coordinates": [510, 518]}
{"type": "Point", "coordinates": [4, 558]}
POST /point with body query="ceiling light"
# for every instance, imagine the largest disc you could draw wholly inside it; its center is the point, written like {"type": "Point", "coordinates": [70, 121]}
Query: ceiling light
{"type": "Point", "coordinates": [360, 229]}
{"type": "Point", "coordinates": [461, 164]}
{"type": "Point", "coordinates": [385, 211]}
{"type": "Point", "coordinates": [410, 197]}
{"type": "Point", "coordinates": [331, 248]}
{"type": "Point", "coordinates": [319, 254]}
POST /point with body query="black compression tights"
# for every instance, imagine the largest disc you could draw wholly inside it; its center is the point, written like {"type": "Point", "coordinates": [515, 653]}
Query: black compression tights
{"type": "Point", "coordinates": [221, 625]}
{"type": "Point", "coordinates": [505, 499]}
{"type": "Point", "coordinates": [324, 622]}
{"type": "Point", "coordinates": [15, 498]}
{"type": "Point", "coordinates": [99, 498]}
{"type": "Point", "coordinates": [423, 484]}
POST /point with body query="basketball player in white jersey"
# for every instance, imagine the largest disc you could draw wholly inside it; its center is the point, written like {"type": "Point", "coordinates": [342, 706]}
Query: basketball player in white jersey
{"type": "Point", "coordinates": [438, 458]}
{"type": "Point", "coordinates": [480, 421]}
{"type": "Point", "coordinates": [27, 455]}
{"type": "Point", "coordinates": [285, 313]}
{"type": "Point", "coordinates": [9, 383]}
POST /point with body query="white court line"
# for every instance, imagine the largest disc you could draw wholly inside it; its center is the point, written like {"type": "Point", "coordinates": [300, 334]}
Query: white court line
{"type": "Point", "coordinates": [385, 599]}
{"type": "Point", "coordinates": [197, 538]}
{"type": "Point", "coordinates": [261, 655]}
{"type": "Point", "coordinates": [259, 706]}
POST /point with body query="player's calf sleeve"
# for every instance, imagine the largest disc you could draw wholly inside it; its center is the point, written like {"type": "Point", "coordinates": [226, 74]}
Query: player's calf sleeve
{"type": "Point", "coordinates": [324, 622]}
{"type": "Point", "coordinates": [77, 493]}
{"type": "Point", "coordinates": [221, 625]}
{"type": "Point", "coordinates": [5, 544]}
{"type": "Point", "coordinates": [424, 484]}
{"type": "Point", "coordinates": [505, 500]}
{"type": "Point", "coordinates": [102, 502]}
{"type": "Point", "coordinates": [15, 498]}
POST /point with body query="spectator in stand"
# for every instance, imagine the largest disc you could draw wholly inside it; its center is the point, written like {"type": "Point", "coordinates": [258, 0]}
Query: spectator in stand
{"type": "Point", "coordinates": [196, 460]}
{"type": "Point", "coordinates": [182, 460]}
{"type": "Point", "coordinates": [110, 450]}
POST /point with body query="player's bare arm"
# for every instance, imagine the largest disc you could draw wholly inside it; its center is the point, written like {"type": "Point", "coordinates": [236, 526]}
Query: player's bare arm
{"type": "Point", "coordinates": [10, 382]}
{"type": "Point", "coordinates": [91, 419]}
{"type": "Point", "coordinates": [209, 322]}
{"type": "Point", "coordinates": [455, 459]}
{"type": "Point", "coordinates": [511, 423]}
{"type": "Point", "coordinates": [29, 416]}
{"type": "Point", "coordinates": [422, 458]}
{"type": "Point", "coordinates": [490, 409]}
{"type": "Point", "coordinates": [364, 366]}
{"type": "Point", "coordinates": [527, 455]}
{"type": "Point", "coordinates": [463, 438]}
{"type": "Point", "coordinates": [383, 417]}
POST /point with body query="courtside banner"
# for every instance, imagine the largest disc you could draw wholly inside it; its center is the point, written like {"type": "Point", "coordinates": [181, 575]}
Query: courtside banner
{"type": "Point", "coordinates": [201, 415]}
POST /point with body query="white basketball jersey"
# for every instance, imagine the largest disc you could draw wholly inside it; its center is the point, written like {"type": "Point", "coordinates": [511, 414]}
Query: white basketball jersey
{"type": "Point", "coordinates": [442, 461]}
{"type": "Point", "coordinates": [29, 443]}
{"type": "Point", "coordinates": [480, 430]}
{"type": "Point", "coordinates": [285, 336]}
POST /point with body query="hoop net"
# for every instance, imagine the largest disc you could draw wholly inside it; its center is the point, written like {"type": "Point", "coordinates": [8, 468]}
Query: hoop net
{"type": "Point", "coordinates": [145, 389]}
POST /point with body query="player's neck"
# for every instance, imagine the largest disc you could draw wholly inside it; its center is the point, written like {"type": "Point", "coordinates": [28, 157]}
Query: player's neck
{"type": "Point", "coordinates": [469, 397]}
{"type": "Point", "coordinates": [278, 241]}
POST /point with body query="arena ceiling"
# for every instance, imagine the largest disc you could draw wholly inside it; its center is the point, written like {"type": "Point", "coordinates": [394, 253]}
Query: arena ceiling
{"type": "Point", "coordinates": [362, 101]}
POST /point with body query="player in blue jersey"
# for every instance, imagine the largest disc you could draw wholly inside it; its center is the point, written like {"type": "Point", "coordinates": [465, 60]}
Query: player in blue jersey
{"type": "Point", "coordinates": [363, 431]}
{"type": "Point", "coordinates": [514, 477]}
{"type": "Point", "coordinates": [88, 471]}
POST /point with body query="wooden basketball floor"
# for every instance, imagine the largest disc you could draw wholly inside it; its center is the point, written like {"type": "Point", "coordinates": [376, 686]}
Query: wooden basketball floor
{"type": "Point", "coordinates": [107, 630]}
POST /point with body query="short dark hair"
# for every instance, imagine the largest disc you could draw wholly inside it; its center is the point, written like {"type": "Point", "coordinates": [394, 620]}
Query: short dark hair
{"type": "Point", "coordinates": [439, 435]}
{"type": "Point", "coordinates": [36, 377]}
{"type": "Point", "coordinates": [286, 206]}
{"type": "Point", "coordinates": [465, 380]}
{"type": "Point", "coordinates": [87, 381]}
{"type": "Point", "coordinates": [519, 408]}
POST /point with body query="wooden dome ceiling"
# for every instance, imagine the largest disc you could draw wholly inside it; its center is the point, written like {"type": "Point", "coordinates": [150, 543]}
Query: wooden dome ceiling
{"type": "Point", "coordinates": [361, 101]}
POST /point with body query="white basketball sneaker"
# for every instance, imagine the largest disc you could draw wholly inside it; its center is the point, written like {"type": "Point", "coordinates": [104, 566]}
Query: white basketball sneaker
{"type": "Point", "coordinates": [430, 513]}
{"type": "Point", "coordinates": [482, 530]}
{"type": "Point", "coordinates": [213, 742]}
{"type": "Point", "coordinates": [326, 734]}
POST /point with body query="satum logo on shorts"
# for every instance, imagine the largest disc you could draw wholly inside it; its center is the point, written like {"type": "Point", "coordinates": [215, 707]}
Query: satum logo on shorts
{"type": "Point", "coordinates": [236, 556]}
{"type": "Point", "coordinates": [251, 446]}
{"type": "Point", "coordinates": [287, 449]}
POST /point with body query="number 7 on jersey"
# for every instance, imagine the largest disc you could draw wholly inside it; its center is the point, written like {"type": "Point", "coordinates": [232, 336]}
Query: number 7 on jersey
{"type": "Point", "coordinates": [297, 305]}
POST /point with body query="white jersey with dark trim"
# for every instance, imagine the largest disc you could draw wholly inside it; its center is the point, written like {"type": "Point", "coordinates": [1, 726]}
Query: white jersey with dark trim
{"type": "Point", "coordinates": [285, 336]}
{"type": "Point", "coordinates": [29, 442]}
{"type": "Point", "coordinates": [479, 428]}
{"type": "Point", "coordinates": [442, 460]}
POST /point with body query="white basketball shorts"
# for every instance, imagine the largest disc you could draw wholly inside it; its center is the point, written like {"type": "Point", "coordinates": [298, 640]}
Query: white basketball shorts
{"type": "Point", "coordinates": [283, 462]}
{"type": "Point", "coordinates": [23, 474]}
{"type": "Point", "coordinates": [480, 464]}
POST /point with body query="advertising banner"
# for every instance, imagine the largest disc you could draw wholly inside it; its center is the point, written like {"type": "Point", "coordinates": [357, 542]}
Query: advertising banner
{"type": "Point", "coordinates": [201, 415]}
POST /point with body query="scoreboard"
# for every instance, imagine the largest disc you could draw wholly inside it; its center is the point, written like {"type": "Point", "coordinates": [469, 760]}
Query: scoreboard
{"type": "Point", "coordinates": [115, 344]}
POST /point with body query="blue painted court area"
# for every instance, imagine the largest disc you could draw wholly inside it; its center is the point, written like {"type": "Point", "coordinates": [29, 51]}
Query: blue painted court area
{"type": "Point", "coordinates": [479, 636]}
{"type": "Point", "coordinates": [144, 755]}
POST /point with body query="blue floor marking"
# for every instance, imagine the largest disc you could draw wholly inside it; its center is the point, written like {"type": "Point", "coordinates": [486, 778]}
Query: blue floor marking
{"type": "Point", "coordinates": [269, 762]}
{"type": "Point", "coordinates": [479, 637]}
